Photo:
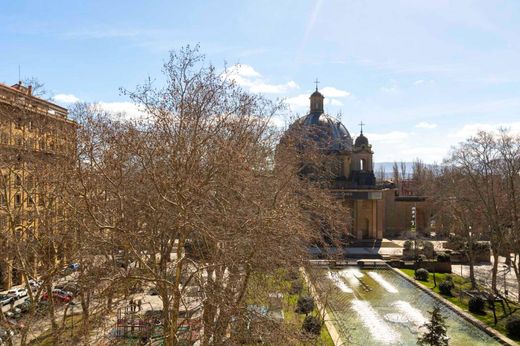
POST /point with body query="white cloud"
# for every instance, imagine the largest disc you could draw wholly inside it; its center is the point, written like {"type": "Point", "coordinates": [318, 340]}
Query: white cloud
{"type": "Point", "coordinates": [127, 110]}
{"type": "Point", "coordinates": [333, 92]}
{"type": "Point", "coordinates": [245, 71]}
{"type": "Point", "coordinates": [333, 96]}
{"type": "Point", "coordinates": [246, 76]}
{"type": "Point", "coordinates": [426, 125]}
{"type": "Point", "coordinates": [65, 98]}
{"type": "Point", "coordinates": [388, 138]}
{"type": "Point", "coordinates": [298, 102]}
{"type": "Point", "coordinates": [393, 89]}
{"type": "Point", "coordinates": [422, 82]}
{"type": "Point", "coordinates": [469, 130]}
{"type": "Point", "coordinates": [333, 102]}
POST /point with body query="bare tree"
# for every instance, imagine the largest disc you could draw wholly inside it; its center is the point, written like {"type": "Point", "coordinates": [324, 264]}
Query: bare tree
{"type": "Point", "coordinates": [191, 195]}
{"type": "Point", "coordinates": [478, 159]}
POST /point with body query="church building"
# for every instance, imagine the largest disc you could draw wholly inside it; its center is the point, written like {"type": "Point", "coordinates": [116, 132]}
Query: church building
{"type": "Point", "coordinates": [375, 209]}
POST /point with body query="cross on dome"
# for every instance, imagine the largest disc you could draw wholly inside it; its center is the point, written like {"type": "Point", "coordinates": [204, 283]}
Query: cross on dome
{"type": "Point", "coordinates": [361, 124]}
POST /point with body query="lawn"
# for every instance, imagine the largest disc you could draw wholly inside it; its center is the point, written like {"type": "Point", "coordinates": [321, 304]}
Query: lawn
{"type": "Point", "coordinates": [297, 319]}
{"type": "Point", "coordinates": [278, 282]}
{"type": "Point", "coordinates": [464, 284]}
{"type": "Point", "coordinates": [70, 331]}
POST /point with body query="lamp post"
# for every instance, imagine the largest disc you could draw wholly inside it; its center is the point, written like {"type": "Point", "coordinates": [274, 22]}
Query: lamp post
{"type": "Point", "coordinates": [506, 270]}
{"type": "Point", "coordinates": [413, 230]}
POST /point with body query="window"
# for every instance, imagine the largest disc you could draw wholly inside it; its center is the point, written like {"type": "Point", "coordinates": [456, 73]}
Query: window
{"type": "Point", "coordinates": [17, 180]}
{"type": "Point", "coordinates": [4, 138]}
{"type": "Point", "coordinates": [17, 200]}
{"type": "Point", "coordinates": [42, 143]}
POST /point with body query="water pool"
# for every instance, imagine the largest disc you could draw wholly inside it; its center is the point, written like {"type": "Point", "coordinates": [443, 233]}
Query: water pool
{"type": "Point", "coordinates": [380, 307]}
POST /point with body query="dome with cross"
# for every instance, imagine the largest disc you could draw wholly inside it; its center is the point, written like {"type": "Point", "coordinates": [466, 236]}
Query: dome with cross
{"type": "Point", "coordinates": [319, 128]}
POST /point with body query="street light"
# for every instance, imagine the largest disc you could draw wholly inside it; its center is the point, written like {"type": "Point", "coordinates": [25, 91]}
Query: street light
{"type": "Point", "coordinates": [506, 270]}
{"type": "Point", "coordinates": [413, 229]}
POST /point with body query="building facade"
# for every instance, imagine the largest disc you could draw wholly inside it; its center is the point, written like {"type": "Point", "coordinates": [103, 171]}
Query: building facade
{"type": "Point", "coordinates": [376, 210]}
{"type": "Point", "coordinates": [36, 139]}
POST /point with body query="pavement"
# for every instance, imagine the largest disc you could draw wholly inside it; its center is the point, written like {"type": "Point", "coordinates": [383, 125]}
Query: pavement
{"type": "Point", "coordinates": [506, 278]}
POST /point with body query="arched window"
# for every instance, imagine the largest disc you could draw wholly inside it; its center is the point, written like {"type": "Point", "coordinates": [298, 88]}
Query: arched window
{"type": "Point", "coordinates": [362, 164]}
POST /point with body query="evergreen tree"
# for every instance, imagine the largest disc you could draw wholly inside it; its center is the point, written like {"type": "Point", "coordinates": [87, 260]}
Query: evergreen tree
{"type": "Point", "coordinates": [435, 330]}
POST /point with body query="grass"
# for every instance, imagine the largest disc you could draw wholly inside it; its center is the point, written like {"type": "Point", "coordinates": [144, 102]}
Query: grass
{"type": "Point", "coordinates": [277, 282]}
{"type": "Point", "coordinates": [297, 319]}
{"type": "Point", "coordinates": [464, 284]}
{"type": "Point", "coordinates": [70, 331]}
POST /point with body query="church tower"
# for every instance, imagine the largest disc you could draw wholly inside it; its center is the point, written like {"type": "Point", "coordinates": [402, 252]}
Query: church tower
{"type": "Point", "coordinates": [316, 105]}
{"type": "Point", "coordinates": [361, 166]}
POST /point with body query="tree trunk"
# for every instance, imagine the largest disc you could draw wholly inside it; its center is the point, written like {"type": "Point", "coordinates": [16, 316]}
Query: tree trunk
{"type": "Point", "coordinates": [471, 260]}
{"type": "Point", "coordinates": [52, 312]}
{"type": "Point", "coordinates": [494, 271]}
{"type": "Point", "coordinates": [85, 311]}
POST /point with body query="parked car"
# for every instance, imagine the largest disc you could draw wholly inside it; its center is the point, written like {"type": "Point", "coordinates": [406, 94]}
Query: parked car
{"type": "Point", "coordinates": [25, 306]}
{"type": "Point", "coordinates": [17, 293]}
{"type": "Point", "coordinates": [5, 335]}
{"type": "Point", "coordinates": [15, 313]}
{"type": "Point", "coordinates": [153, 291]}
{"type": "Point", "coordinates": [59, 295]}
{"type": "Point", "coordinates": [73, 266]}
{"type": "Point", "coordinates": [5, 299]}
{"type": "Point", "coordinates": [34, 283]}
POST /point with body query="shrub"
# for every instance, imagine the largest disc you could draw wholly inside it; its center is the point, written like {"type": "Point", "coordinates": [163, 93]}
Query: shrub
{"type": "Point", "coordinates": [296, 287]}
{"type": "Point", "coordinates": [513, 326]}
{"type": "Point", "coordinates": [480, 245]}
{"type": "Point", "coordinates": [446, 287]}
{"type": "Point", "coordinates": [304, 305]}
{"type": "Point", "coordinates": [408, 245]}
{"type": "Point", "coordinates": [443, 257]}
{"type": "Point", "coordinates": [292, 274]}
{"type": "Point", "coordinates": [428, 249]}
{"type": "Point", "coordinates": [312, 325]}
{"type": "Point", "coordinates": [422, 274]}
{"type": "Point", "coordinates": [476, 305]}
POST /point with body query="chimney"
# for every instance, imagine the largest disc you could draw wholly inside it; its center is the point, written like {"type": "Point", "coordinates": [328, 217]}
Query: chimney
{"type": "Point", "coordinates": [29, 90]}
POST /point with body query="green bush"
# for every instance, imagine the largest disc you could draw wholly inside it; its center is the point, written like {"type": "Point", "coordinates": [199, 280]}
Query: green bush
{"type": "Point", "coordinates": [446, 287]}
{"type": "Point", "coordinates": [292, 274]}
{"type": "Point", "coordinates": [312, 325]}
{"type": "Point", "coordinates": [304, 305]}
{"type": "Point", "coordinates": [422, 274]}
{"type": "Point", "coordinates": [476, 305]}
{"type": "Point", "coordinates": [408, 245]}
{"type": "Point", "coordinates": [513, 326]}
{"type": "Point", "coordinates": [296, 287]}
{"type": "Point", "coordinates": [480, 245]}
{"type": "Point", "coordinates": [443, 257]}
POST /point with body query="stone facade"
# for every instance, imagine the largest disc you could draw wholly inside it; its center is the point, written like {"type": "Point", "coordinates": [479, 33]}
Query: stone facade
{"type": "Point", "coordinates": [32, 131]}
{"type": "Point", "coordinates": [376, 211]}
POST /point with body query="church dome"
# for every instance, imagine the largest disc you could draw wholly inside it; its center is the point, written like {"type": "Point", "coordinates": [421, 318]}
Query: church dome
{"type": "Point", "coordinates": [329, 133]}
{"type": "Point", "coordinates": [317, 93]}
{"type": "Point", "coordinates": [361, 140]}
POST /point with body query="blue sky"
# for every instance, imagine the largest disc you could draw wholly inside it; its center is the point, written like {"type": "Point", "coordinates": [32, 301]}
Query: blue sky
{"type": "Point", "coordinates": [422, 75]}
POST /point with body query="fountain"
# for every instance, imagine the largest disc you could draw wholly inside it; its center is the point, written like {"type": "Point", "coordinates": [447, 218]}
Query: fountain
{"type": "Point", "coordinates": [379, 307]}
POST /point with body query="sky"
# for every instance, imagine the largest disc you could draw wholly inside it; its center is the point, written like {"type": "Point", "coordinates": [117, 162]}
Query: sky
{"type": "Point", "coordinates": [422, 75]}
